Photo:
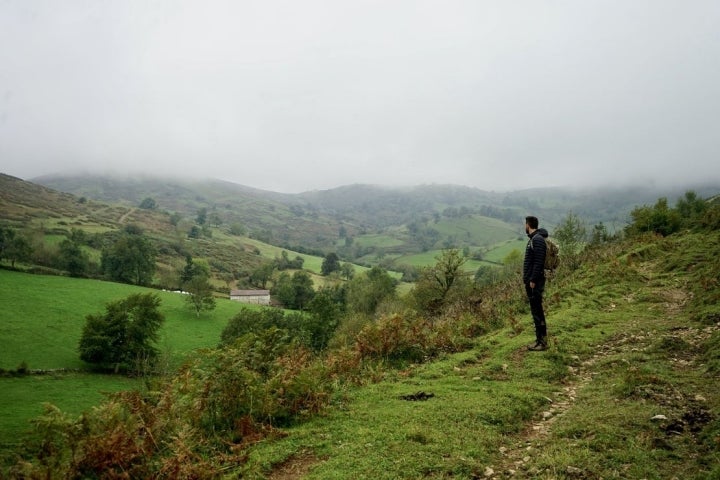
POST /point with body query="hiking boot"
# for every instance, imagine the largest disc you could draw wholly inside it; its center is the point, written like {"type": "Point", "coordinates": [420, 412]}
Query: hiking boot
{"type": "Point", "coordinates": [538, 347]}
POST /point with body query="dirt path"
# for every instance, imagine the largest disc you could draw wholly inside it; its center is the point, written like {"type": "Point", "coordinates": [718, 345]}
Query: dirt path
{"type": "Point", "coordinates": [124, 217]}
{"type": "Point", "coordinates": [295, 468]}
{"type": "Point", "coordinates": [517, 459]}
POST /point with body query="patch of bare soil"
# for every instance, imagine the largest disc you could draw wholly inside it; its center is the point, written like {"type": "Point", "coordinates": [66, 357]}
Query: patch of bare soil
{"type": "Point", "coordinates": [295, 467]}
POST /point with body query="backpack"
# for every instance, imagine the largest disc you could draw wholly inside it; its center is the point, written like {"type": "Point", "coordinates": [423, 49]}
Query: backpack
{"type": "Point", "coordinates": [552, 254]}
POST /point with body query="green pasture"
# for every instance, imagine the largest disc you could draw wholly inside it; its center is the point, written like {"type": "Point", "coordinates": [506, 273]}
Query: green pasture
{"type": "Point", "coordinates": [498, 252]}
{"type": "Point", "coordinates": [311, 262]}
{"type": "Point", "coordinates": [42, 318]}
{"type": "Point", "coordinates": [378, 240]}
{"type": "Point", "coordinates": [476, 230]}
{"type": "Point", "coordinates": [430, 257]}
{"type": "Point", "coordinates": [23, 398]}
{"type": "Point", "coordinates": [41, 321]}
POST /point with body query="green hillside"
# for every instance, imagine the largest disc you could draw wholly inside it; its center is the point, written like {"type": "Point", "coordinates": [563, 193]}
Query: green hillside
{"type": "Point", "coordinates": [48, 217]}
{"type": "Point", "coordinates": [626, 390]}
{"type": "Point", "coordinates": [364, 223]}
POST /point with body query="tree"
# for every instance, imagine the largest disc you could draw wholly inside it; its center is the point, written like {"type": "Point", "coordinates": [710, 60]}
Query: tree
{"type": "Point", "coordinates": [294, 292]}
{"type": "Point", "coordinates": [148, 203]}
{"type": "Point", "coordinates": [487, 275]}
{"type": "Point", "coordinates": [690, 207]}
{"type": "Point", "coordinates": [599, 234]}
{"type": "Point", "coordinates": [175, 219]}
{"type": "Point", "coordinates": [367, 290]}
{"type": "Point", "coordinates": [201, 216]}
{"type": "Point", "coordinates": [659, 219]}
{"type": "Point", "coordinates": [200, 294]}
{"type": "Point", "coordinates": [214, 219]}
{"type": "Point", "coordinates": [195, 232]}
{"type": "Point", "coordinates": [131, 259]}
{"type": "Point", "coordinates": [347, 270]}
{"type": "Point", "coordinates": [324, 319]}
{"type": "Point", "coordinates": [123, 338]}
{"type": "Point", "coordinates": [13, 246]}
{"type": "Point", "coordinates": [284, 262]}
{"type": "Point", "coordinates": [303, 288]}
{"type": "Point", "coordinates": [330, 264]}
{"type": "Point", "coordinates": [571, 235]}
{"type": "Point", "coordinates": [73, 259]}
{"type": "Point", "coordinates": [237, 229]}
{"type": "Point", "coordinates": [432, 288]}
{"type": "Point", "coordinates": [191, 270]}
{"type": "Point", "coordinates": [251, 321]}
{"type": "Point", "coordinates": [262, 274]}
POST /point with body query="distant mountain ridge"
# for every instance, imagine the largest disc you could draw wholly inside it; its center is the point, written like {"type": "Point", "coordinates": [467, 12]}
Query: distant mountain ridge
{"type": "Point", "coordinates": [359, 204]}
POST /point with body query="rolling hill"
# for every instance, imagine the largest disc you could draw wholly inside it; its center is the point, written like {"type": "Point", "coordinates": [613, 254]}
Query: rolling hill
{"type": "Point", "coordinates": [397, 228]}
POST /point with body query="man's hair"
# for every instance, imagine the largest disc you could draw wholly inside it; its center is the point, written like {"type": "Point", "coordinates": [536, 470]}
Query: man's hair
{"type": "Point", "coordinates": [532, 222]}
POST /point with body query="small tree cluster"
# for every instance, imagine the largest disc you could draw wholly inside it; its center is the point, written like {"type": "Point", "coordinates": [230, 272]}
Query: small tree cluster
{"type": "Point", "coordinates": [313, 329]}
{"type": "Point", "coordinates": [124, 337]}
{"type": "Point", "coordinates": [131, 258]}
{"type": "Point", "coordinates": [294, 291]}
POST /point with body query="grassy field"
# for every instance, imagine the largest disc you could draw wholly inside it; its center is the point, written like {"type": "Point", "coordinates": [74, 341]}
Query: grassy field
{"type": "Point", "coordinates": [311, 262]}
{"type": "Point", "coordinates": [498, 252]}
{"type": "Point", "coordinates": [23, 397]}
{"type": "Point", "coordinates": [41, 322]}
{"type": "Point", "coordinates": [476, 230]}
{"type": "Point", "coordinates": [377, 240]}
{"type": "Point", "coordinates": [42, 318]}
{"type": "Point", "coordinates": [493, 257]}
{"type": "Point", "coordinates": [627, 389]}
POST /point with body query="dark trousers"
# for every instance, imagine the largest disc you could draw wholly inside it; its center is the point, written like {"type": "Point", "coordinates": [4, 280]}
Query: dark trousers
{"type": "Point", "coordinates": [535, 296]}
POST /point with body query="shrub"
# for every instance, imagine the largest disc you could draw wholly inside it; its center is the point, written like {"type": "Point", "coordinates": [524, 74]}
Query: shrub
{"type": "Point", "coordinates": [265, 376]}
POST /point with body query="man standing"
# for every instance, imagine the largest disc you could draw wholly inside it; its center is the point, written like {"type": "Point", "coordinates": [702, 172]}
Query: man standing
{"type": "Point", "coordinates": [534, 278]}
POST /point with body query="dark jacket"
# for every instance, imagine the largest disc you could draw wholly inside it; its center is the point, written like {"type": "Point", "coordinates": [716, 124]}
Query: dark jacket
{"type": "Point", "coordinates": [534, 265]}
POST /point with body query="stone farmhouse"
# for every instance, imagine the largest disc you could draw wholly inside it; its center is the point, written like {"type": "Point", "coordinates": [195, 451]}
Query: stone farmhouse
{"type": "Point", "coordinates": [255, 297]}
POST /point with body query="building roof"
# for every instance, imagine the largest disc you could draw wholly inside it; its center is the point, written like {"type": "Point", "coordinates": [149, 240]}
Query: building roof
{"type": "Point", "coordinates": [249, 293]}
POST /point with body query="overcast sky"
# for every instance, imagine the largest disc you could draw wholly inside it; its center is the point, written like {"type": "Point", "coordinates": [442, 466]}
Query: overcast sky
{"type": "Point", "coordinates": [296, 95]}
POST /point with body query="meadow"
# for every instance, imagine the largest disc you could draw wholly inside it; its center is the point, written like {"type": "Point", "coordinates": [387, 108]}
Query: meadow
{"type": "Point", "coordinates": [41, 322]}
{"type": "Point", "coordinates": [494, 256]}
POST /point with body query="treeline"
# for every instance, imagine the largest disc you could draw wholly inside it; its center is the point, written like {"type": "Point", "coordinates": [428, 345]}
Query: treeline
{"type": "Point", "coordinates": [127, 256]}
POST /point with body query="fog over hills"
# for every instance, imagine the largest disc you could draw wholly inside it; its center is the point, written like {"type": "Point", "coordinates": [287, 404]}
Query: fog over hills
{"type": "Point", "coordinates": [373, 205]}
{"type": "Point", "coordinates": [295, 96]}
